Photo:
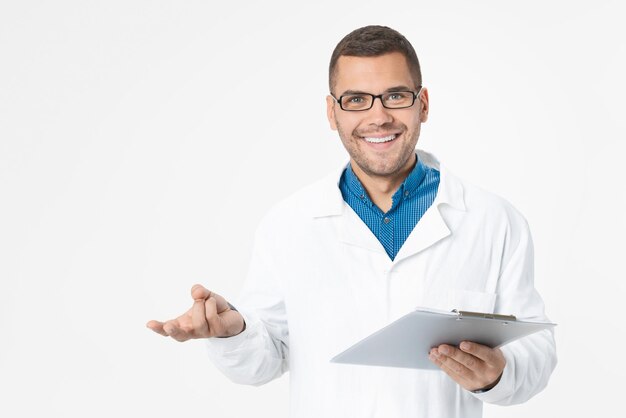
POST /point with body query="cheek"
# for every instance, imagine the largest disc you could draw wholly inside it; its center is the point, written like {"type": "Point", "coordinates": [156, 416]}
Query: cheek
{"type": "Point", "coordinates": [345, 127]}
{"type": "Point", "coordinates": [414, 123]}
{"type": "Point", "coordinates": [414, 119]}
{"type": "Point", "coordinates": [343, 121]}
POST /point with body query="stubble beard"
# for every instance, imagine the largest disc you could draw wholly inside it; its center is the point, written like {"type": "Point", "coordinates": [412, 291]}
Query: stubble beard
{"type": "Point", "coordinates": [393, 164]}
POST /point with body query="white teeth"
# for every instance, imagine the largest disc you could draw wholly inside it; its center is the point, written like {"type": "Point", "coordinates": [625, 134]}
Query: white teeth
{"type": "Point", "coordinates": [380, 140]}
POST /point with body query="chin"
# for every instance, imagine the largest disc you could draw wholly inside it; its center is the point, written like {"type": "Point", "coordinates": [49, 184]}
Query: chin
{"type": "Point", "coordinates": [380, 170]}
{"type": "Point", "coordinates": [387, 166]}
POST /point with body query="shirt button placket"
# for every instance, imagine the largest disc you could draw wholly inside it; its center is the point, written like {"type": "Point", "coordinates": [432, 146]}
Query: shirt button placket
{"type": "Point", "coordinates": [386, 234]}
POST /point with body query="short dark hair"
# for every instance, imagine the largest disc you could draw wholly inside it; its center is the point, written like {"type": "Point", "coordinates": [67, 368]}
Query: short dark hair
{"type": "Point", "coordinates": [373, 41]}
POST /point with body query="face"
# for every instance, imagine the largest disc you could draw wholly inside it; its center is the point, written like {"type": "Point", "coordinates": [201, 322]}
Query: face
{"type": "Point", "coordinates": [380, 141]}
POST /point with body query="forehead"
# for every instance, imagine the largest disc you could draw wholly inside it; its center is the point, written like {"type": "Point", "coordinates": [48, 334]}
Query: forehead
{"type": "Point", "coordinates": [372, 74]}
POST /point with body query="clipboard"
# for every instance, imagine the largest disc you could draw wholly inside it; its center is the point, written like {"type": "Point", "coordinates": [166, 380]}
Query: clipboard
{"type": "Point", "coordinates": [407, 341]}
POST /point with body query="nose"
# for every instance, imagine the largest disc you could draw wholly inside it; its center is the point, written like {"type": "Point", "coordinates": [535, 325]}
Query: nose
{"type": "Point", "coordinates": [378, 114]}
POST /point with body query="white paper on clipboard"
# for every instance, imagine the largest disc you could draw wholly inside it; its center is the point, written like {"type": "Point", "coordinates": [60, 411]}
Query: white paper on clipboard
{"type": "Point", "coordinates": [407, 341]}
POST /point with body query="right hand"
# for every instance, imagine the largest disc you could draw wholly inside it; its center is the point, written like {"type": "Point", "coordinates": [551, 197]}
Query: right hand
{"type": "Point", "coordinates": [210, 316]}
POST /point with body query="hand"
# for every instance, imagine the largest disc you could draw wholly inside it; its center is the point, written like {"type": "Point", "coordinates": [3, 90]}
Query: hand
{"type": "Point", "coordinates": [473, 366]}
{"type": "Point", "coordinates": [210, 316]}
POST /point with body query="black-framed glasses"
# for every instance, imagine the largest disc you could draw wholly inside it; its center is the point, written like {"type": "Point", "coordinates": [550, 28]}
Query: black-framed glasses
{"type": "Point", "coordinates": [356, 102]}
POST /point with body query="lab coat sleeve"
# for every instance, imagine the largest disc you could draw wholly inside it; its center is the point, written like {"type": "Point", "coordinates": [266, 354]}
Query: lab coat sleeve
{"type": "Point", "coordinates": [529, 360]}
{"type": "Point", "coordinates": [261, 352]}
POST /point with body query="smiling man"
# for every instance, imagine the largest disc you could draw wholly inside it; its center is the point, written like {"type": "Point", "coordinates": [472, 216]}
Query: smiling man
{"type": "Point", "coordinates": [390, 230]}
{"type": "Point", "coordinates": [380, 136]}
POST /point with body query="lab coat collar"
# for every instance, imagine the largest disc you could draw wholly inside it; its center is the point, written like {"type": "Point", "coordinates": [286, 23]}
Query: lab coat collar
{"type": "Point", "coordinates": [432, 227]}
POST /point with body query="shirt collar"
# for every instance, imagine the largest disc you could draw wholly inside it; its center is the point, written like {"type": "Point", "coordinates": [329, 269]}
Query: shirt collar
{"type": "Point", "coordinates": [328, 200]}
{"type": "Point", "coordinates": [406, 190]}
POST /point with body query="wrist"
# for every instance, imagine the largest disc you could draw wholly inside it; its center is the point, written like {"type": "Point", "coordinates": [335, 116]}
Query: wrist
{"type": "Point", "coordinates": [488, 387]}
{"type": "Point", "coordinates": [242, 320]}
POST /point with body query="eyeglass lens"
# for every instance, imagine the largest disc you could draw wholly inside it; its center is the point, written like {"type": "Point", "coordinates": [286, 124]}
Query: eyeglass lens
{"type": "Point", "coordinates": [364, 101]}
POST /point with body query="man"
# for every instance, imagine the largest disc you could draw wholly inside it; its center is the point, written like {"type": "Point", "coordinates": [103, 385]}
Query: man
{"type": "Point", "coordinates": [389, 231]}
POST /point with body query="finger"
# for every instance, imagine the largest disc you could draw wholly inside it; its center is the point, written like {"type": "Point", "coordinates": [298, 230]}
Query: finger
{"type": "Point", "coordinates": [438, 360]}
{"type": "Point", "coordinates": [482, 352]}
{"type": "Point", "coordinates": [470, 361]}
{"type": "Point", "coordinates": [172, 329]}
{"type": "Point", "coordinates": [453, 373]}
{"type": "Point", "coordinates": [449, 358]}
{"type": "Point", "coordinates": [216, 327]}
{"type": "Point", "coordinates": [198, 319]}
{"type": "Point", "coordinates": [157, 327]}
{"type": "Point", "coordinates": [200, 292]}
{"type": "Point", "coordinates": [434, 356]}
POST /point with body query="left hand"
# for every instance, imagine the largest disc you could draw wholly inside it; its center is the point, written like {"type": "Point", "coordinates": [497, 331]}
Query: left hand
{"type": "Point", "coordinates": [473, 366]}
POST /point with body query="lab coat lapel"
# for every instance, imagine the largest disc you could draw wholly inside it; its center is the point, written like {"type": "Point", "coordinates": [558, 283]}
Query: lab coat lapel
{"type": "Point", "coordinates": [439, 220]}
{"type": "Point", "coordinates": [353, 231]}
{"type": "Point", "coordinates": [429, 230]}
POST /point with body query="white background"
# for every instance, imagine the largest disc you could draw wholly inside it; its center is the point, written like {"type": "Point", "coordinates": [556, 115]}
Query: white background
{"type": "Point", "coordinates": [142, 141]}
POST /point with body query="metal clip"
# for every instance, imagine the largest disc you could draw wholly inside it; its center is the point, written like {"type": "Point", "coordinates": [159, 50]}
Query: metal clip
{"type": "Point", "coordinates": [482, 315]}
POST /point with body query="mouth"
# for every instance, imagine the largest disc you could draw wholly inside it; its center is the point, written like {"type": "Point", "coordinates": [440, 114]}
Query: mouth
{"type": "Point", "coordinates": [379, 139]}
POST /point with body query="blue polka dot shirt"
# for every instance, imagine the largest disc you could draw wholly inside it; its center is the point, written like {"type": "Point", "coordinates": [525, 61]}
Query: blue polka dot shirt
{"type": "Point", "coordinates": [410, 202]}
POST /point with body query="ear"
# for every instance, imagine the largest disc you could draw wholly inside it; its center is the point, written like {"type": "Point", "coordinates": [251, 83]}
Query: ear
{"type": "Point", "coordinates": [423, 97]}
{"type": "Point", "coordinates": [330, 112]}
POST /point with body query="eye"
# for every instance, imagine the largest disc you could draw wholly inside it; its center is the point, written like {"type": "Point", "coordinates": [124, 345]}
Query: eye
{"type": "Point", "coordinates": [355, 99]}
{"type": "Point", "coordinates": [397, 96]}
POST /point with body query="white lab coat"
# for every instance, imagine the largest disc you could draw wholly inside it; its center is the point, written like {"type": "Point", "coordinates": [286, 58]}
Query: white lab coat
{"type": "Point", "coordinates": [319, 281]}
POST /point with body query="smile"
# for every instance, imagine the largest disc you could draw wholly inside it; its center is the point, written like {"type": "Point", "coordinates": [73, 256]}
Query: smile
{"type": "Point", "coordinates": [374, 140]}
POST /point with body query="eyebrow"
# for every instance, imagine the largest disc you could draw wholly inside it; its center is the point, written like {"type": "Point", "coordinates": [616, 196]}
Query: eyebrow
{"type": "Point", "coordinates": [390, 89]}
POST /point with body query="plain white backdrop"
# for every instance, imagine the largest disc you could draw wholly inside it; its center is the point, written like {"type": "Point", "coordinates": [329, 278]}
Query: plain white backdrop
{"type": "Point", "coordinates": [142, 141]}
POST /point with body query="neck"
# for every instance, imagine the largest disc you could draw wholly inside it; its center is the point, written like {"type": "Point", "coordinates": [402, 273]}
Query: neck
{"type": "Point", "coordinates": [381, 188]}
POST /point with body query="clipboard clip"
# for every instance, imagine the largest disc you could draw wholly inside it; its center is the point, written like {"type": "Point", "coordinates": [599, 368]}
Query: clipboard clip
{"type": "Point", "coordinates": [468, 314]}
